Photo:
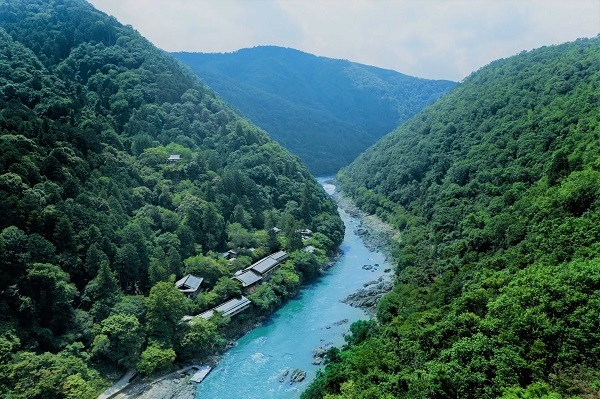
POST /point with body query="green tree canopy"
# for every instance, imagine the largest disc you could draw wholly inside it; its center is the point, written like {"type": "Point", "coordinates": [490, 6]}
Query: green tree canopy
{"type": "Point", "coordinates": [166, 305]}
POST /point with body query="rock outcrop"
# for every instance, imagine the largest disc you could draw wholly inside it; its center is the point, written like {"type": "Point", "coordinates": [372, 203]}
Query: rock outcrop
{"type": "Point", "coordinates": [368, 298]}
{"type": "Point", "coordinates": [297, 376]}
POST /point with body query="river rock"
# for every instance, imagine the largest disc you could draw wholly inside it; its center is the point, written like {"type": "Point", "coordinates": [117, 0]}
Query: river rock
{"type": "Point", "coordinates": [367, 267]}
{"type": "Point", "coordinates": [318, 360]}
{"type": "Point", "coordinates": [297, 376]}
{"type": "Point", "coordinates": [284, 374]}
{"type": "Point", "coordinates": [339, 323]}
{"type": "Point", "coordinates": [372, 282]}
{"type": "Point", "coordinates": [361, 232]}
{"type": "Point", "coordinates": [368, 298]}
{"type": "Point", "coordinates": [319, 352]}
{"type": "Point", "coordinates": [332, 260]}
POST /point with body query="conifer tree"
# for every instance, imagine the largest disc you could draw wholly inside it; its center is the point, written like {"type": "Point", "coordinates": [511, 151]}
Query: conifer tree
{"type": "Point", "coordinates": [102, 293]}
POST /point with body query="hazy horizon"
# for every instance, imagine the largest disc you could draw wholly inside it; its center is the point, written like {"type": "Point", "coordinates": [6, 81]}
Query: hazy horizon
{"type": "Point", "coordinates": [434, 39]}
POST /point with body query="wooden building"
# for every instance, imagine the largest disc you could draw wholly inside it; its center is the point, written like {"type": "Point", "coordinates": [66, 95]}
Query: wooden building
{"type": "Point", "coordinates": [189, 285]}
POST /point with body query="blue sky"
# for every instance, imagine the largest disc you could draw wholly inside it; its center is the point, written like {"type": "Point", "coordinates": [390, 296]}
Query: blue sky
{"type": "Point", "coordinates": [436, 39]}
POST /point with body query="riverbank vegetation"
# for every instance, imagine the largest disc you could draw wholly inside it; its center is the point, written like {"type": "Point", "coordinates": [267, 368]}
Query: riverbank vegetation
{"type": "Point", "coordinates": [496, 192]}
{"type": "Point", "coordinates": [120, 171]}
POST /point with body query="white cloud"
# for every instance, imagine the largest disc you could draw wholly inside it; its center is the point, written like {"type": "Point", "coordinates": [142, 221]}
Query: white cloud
{"type": "Point", "coordinates": [440, 39]}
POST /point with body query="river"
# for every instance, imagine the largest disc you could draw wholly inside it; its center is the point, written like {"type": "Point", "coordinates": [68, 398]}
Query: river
{"type": "Point", "coordinates": [252, 369]}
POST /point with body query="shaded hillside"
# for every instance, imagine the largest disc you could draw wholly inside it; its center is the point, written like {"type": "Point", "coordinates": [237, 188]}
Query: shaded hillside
{"type": "Point", "coordinates": [324, 110]}
{"type": "Point", "coordinates": [96, 224]}
{"type": "Point", "coordinates": [496, 191]}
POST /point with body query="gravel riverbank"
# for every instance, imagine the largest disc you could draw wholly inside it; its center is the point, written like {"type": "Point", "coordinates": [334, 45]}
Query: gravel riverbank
{"type": "Point", "coordinates": [377, 236]}
{"type": "Point", "coordinates": [375, 233]}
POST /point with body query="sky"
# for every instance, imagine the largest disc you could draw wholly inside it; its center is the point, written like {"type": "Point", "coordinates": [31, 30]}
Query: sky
{"type": "Point", "coordinates": [434, 39]}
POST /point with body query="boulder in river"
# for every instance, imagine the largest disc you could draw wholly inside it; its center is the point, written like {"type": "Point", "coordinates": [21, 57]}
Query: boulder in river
{"type": "Point", "coordinates": [319, 353]}
{"type": "Point", "coordinates": [361, 232]}
{"type": "Point", "coordinates": [284, 374]}
{"type": "Point", "coordinates": [369, 297]}
{"type": "Point", "coordinates": [373, 282]}
{"type": "Point", "coordinates": [297, 376]}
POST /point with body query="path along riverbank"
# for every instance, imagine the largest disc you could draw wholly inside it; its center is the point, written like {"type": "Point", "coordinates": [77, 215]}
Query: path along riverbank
{"type": "Point", "coordinates": [265, 351]}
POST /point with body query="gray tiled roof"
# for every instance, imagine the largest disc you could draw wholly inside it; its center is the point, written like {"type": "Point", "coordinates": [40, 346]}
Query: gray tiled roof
{"type": "Point", "coordinates": [189, 283]}
{"type": "Point", "coordinates": [264, 265]}
{"type": "Point", "coordinates": [247, 278]}
{"type": "Point", "coordinates": [229, 308]}
{"type": "Point", "coordinates": [230, 253]}
{"type": "Point", "coordinates": [279, 256]}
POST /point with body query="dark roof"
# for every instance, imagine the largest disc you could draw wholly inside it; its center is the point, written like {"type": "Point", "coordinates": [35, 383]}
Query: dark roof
{"type": "Point", "coordinates": [247, 278]}
{"type": "Point", "coordinates": [229, 308]}
{"type": "Point", "coordinates": [228, 254]}
{"type": "Point", "coordinates": [279, 256]}
{"type": "Point", "coordinates": [264, 265]}
{"type": "Point", "coordinates": [189, 283]}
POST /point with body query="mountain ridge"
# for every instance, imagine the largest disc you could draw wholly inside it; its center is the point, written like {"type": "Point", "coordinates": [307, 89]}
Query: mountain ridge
{"type": "Point", "coordinates": [311, 104]}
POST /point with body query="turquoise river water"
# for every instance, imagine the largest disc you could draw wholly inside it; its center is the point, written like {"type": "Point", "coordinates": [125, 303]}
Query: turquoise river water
{"type": "Point", "coordinates": [252, 368]}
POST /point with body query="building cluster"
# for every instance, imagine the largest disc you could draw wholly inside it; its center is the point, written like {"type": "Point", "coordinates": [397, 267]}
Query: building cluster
{"type": "Point", "coordinates": [259, 272]}
{"type": "Point", "coordinates": [250, 278]}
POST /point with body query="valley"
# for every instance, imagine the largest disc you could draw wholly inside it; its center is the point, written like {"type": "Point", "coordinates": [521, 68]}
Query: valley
{"type": "Point", "coordinates": [311, 104]}
{"type": "Point", "coordinates": [157, 215]}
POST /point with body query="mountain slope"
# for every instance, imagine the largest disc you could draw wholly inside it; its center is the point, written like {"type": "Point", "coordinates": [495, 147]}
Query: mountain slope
{"type": "Point", "coordinates": [324, 110]}
{"type": "Point", "coordinates": [496, 191]}
{"type": "Point", "coordinates": [97, 223]}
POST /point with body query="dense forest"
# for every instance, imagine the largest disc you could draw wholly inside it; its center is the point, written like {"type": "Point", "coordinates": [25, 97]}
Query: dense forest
{"type": "Point", "coordinates": [326, 111]}
{"type": "Point", "coordinates": [96, 222]}
{"type": "Point", "coordinates": [496, 192]}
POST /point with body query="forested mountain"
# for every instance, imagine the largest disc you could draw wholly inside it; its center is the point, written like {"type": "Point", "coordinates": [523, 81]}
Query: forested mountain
{"type": "Point", "coordinates": [496, 192]}
{"type": "Point", "coordinates": [96, 223]}
{"type": "Point", "coordinates": [324, 110]}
